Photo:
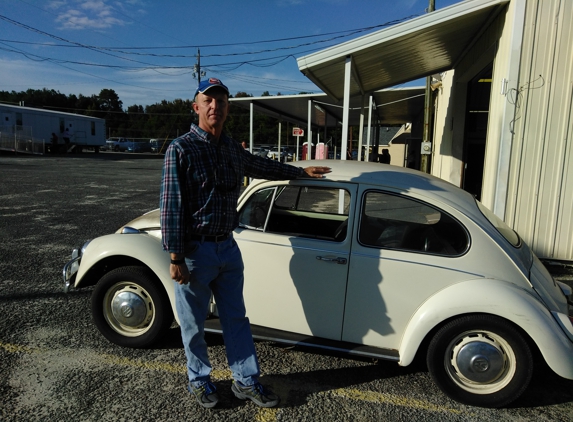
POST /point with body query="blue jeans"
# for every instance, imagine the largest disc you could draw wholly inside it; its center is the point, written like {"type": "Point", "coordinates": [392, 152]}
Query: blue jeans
{"type": "Point", "coordinates": [215, 267]}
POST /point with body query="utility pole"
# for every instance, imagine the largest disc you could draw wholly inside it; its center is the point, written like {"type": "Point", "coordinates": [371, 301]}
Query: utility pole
{"type": "Point", "coordinates": [426, 143]}
{"type": "Point", "coordinates": [197, 72]}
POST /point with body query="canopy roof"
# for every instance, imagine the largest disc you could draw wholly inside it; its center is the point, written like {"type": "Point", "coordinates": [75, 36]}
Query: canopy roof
{"type": "Point", "coordinates": [393, 107]}
{"type": "Point", "coordinates": [417, 48]}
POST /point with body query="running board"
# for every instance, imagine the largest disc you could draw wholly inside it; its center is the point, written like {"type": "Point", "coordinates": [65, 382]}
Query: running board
{"type": "Point", "coordinates": [213, 325]}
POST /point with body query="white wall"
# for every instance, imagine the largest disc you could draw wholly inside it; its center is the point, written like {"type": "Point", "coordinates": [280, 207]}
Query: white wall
{"type": "Point", "coordinates": [540, 194]}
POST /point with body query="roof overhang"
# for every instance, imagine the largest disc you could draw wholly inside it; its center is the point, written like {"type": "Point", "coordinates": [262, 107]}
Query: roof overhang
{"type": "Point", "coordinates": [408, 51]}
{"type": "Point", "coordinates": [392, 107]}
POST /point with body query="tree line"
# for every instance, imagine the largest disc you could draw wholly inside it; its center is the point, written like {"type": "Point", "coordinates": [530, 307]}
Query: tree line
{"type": "Point", "coordinates": [163, 120]}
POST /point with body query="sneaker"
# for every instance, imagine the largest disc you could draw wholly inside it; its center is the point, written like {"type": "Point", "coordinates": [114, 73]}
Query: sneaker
{"type": "Point", "coordinates": [206, 395]}
{"type": "Point", "coordinates": [257, 393]}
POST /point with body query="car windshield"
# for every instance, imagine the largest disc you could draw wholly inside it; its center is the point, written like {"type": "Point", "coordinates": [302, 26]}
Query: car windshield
{"type": "Point", "coordinates": [510, 235]}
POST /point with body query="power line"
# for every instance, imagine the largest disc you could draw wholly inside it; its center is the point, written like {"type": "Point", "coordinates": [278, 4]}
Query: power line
{"type": "Point", "coordinates": [223, 67]}
{"type": "Point", "coordinates": [123, 50]}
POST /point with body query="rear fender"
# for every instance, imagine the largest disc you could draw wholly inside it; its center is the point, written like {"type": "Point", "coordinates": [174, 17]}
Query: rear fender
{"type": "Point", "coordinates": [493, 297]}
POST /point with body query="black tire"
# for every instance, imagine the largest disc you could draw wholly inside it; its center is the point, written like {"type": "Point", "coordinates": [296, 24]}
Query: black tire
{"type": "Point", "coordinates": [480, 360]}
{"type": "Point", "coordinates": [130, 307]}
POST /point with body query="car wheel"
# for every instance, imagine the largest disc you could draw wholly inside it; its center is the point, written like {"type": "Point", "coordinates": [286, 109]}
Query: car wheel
{"type": "Point", "coordinates": [129, 308]}
{"type": "Point", "coordinates": [480, 360]}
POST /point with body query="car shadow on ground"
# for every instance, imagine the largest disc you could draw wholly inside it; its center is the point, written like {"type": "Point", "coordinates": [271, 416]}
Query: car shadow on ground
{"type": "Point", "coordinates": [538, 395]}
{"type": "Point", "coordinates": [295, 388]}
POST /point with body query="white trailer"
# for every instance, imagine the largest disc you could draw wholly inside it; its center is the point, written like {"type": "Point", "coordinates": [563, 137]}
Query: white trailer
{"type": "Point", "coordinates": [37, 125]}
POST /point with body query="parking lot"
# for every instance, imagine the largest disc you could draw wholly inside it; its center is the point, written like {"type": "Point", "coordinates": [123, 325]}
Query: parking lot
{"type": "Point", "coordinates": [54, 364]}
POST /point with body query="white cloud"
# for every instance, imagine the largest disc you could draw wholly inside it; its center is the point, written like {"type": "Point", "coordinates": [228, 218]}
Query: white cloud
{"type": "Point", "coordinates": [86, 14]}
{"type": "Point", "coordinates": [56, 4]}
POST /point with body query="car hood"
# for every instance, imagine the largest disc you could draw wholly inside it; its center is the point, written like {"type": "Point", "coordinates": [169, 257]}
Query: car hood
{"type": "Point", "coordinates": [147, 222]}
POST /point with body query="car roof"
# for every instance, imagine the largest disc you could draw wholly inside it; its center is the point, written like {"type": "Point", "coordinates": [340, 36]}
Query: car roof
{"type": "Point", "coordinates": [396, 178]}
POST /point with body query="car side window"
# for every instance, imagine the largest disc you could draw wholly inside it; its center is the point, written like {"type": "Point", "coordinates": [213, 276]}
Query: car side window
{"type": "Point", "coordinates": [395, 222]}
{"type": "Point", "coordinates": [304, 211]}
{"type": "Point", "coordinates": [254, 214]}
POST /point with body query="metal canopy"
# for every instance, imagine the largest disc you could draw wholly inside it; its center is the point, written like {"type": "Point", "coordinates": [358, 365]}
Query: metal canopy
{"type": "Point", "coordinates": [393, 107]}
{"type": "Point", "coordinates": [417, 48]}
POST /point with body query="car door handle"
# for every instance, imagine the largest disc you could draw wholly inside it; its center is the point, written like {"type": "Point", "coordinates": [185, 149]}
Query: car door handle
{"type": "Point", "coordinates": [338, 260]}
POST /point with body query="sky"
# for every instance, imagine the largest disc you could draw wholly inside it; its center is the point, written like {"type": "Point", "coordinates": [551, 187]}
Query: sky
{"type": "Point", "coordinates": [147, 50]}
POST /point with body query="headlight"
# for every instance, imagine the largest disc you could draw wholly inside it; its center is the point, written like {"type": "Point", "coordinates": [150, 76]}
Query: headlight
{"type": "Point", "coordinates": [83, 248]}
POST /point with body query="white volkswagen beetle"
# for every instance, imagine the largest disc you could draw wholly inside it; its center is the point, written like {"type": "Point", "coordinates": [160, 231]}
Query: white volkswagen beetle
{"type": "Point", "coordinates": [375, 260]}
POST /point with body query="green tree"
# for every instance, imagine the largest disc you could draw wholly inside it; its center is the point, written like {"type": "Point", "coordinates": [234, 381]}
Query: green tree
{"type": "Point", "coordinates": [109, 101]}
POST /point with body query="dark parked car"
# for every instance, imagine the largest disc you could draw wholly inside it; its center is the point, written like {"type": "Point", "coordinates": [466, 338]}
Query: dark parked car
{"type": "Point", "coordinates": [139, 147]}
{"type": "Point", "coordinates": [261, 150]}
{"type": "Point", "coordinates": [159, 145]}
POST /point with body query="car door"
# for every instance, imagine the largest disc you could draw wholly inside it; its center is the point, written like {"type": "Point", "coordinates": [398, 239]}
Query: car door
{"type": "Point", "coordinates": [405, 250]}
{"type": "Point", "coordinates": [295, 240]}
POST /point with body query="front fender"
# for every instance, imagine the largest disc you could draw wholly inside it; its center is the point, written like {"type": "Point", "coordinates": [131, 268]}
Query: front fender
{"type": "Point", "coordinates": [493, 297]}
{"type": "Point", "coordinates": [140, 246]}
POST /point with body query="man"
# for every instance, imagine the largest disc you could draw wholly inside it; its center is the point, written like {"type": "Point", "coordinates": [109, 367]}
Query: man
{"type": "Point", "coordinates": [202, 174]}
{"type": "Point", "coordinates": [384, 158]}
{"type": "Point", "coordinates": [67, 136]}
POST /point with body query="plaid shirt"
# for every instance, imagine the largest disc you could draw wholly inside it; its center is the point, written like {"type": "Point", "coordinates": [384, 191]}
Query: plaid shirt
{"type": "Point", "coordinates": [201, 184]}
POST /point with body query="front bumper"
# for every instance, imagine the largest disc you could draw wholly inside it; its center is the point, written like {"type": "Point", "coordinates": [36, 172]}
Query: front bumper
{"type": "Point", "coordinates": [71, 270]}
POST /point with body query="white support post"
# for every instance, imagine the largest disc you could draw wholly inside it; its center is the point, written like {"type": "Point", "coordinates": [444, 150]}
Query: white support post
{"type": "Point", "coordinates": [369, 134]}
{"type": "Point", "coordinates": [361, 130]}
{"type": "Point", "coordinates": [345, 108]}
{"type": "Point", "coordinates": [279, 143]}
{"type": "Point", "coordinates": [251, 137]}
{"type": "Point", "coordinates": [246, 180]}
{"type": "Point", "coordinates": [309, 134]}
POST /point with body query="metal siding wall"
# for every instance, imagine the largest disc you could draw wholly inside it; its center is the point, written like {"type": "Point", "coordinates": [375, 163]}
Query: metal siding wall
{"type": "Point", "coordinates": [540, 192]}
{"type": "Point", "coordinates": [564, 228]}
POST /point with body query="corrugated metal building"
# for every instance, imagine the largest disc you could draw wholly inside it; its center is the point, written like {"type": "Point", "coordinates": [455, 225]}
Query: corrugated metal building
{"type": "Point", "coordinates": [503, 114]}
{"type": "Point", "coordinates": [524, 133]}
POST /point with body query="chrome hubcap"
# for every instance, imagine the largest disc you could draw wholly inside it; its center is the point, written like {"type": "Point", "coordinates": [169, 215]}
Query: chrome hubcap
{"type": "Point", "coordinates": [480, 362]}
{"type": "Point", "coordinates": [129, 309]}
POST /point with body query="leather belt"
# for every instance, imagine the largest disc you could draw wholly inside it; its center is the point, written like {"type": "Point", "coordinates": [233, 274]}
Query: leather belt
{"type": "Point", "coordinates": [209, 238]}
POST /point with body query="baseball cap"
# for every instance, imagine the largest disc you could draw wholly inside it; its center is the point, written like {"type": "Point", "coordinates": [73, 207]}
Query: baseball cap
{"type": "Point", "coordinates": [208, 84]}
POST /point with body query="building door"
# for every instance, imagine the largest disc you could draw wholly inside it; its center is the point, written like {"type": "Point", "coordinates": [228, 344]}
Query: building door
{"type": "Point", "coordinates": [477, 114]}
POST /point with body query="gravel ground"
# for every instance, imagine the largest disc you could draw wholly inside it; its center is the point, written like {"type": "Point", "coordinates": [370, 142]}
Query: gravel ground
{"type": "Point", "coordinates": [54, 364]}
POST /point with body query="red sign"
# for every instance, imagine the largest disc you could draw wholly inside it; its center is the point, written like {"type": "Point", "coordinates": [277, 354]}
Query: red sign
{"type": "Point", "coordinates": [296, 131]}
